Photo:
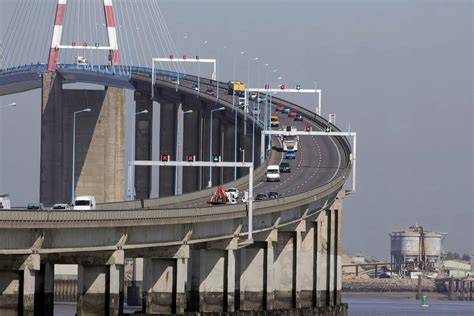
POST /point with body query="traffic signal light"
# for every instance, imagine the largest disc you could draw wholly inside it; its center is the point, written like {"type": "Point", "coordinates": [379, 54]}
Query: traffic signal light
{"type": "Point", "coordinates": [191, 158]}
{"type": "Point", "coordinates": [171, 56]}
{"type": "Point", "coordinates": [267, 86]}
{"type": "Point", "coordinates": [184, 57]}
{"type": "Point", "coordinates": [165, 157]}
{"type": "Point", "coordinates": [216, 158]}
{"type": "Point", "coordinates": [282, 87]}
{"type": "Point", "coordinates": [308, 129]}
{"type": "Point", "coordinates": [327, 129]}
{"type": "Point", "coordinates": [298, 87]}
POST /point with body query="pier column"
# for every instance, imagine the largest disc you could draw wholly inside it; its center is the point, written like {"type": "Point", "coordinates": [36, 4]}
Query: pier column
{"type": "Point", "coordinates": [179, 149]}
{"type": "Point", "coordinates": [214, 275]}
{"type": "Point", "coordinates": [168, 146]}
{"type": "Point", "coordinates": [322, 255]}
{"type": "Point", "coordinates": [99, 142]}
{"type": "Point", "coordinates": [18, 284]}
{"type": "Point", "coordinates": [100, 287]}
{"type": "Point", "coordinates": [143, 143]}
{"type": "Point", "coordinates": [192, 142]}
{"type": "Point", "coordinates": [165, 283]}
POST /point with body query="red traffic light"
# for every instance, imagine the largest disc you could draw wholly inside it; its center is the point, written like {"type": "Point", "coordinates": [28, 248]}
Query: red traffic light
{"type": "Point", "coordinates": [165, 157]}
{"type": "Point", "coordinates": [308, 128]}
{"type": "Point", "coordinates": [171, 56]}
{"type": "Point", "coordinates": [184, 57]}
{"type": "Point", "coordinates": [191, 158]}
{"type": "Point", "coordinates": [282, 87]}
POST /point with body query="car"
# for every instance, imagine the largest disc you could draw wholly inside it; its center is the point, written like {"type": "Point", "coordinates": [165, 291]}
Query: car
{"type": "Point", "coordinates": [35, 206]}
{"type": "Point", "coordinates": [275, 121]}
{"type": "Point", "coordinates": [290, 154]}
{"type": "Point", "coordinates": [196, 87]}
{"type": "Point", "coordinates": [252, 95]}
{"type": "Point", "coordinates": [261, 197]}
{"type": "Point", "coordinates": [299, 117]}
{"type": "Point", "coordinates": [273, 195]}
{"type": "Point", "coordinates": [279, 108]}
{"type": "Point", "coordinates": [292, 114]}
{"type": "Point", "coordinates": [233, 192]}
{"type": "Point", "coordinates": [273, 173]}
{"type": "Point", "coordinates": [241, 101]}
{"type": "Point", "coordinates": [286, 110]}
{"type": "Point", "coordinates": [285, 167]}
{"type": "Point", "coordinates": [60, 206]}
{"type": "Point", "coordinates": [260, 99]}
{"type": "Point", "coordinates": [174, 80]}
{"type": "Point", "coordinates": [211, 92]}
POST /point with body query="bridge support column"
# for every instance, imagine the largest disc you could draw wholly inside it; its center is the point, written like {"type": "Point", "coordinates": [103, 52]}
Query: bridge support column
{"type": "Point", "coordinates": [179, 149]}
{"type": "Point", "coordinates": [168, 146]}
{"type": "Point", "coordinates": [191, 146]}
{"type": "Point", "coordinates": [143, 143]}
{"type": "Point", "coordinates": [19, 281]}
{"type": "Point", "coordinates": [322, 258]}
{"type": "Point", "coordinates": [165, 282]}
{"type": "Point", "coordinates": [99, 142]}
{"type": "Point", "coordinates": [213, 278]}
{"type": "Point", "coordinates": [100, 287]}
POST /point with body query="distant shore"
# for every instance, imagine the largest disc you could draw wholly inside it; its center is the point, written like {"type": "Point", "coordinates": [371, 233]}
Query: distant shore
{"type": "Point", "coordinates": [393, 295]}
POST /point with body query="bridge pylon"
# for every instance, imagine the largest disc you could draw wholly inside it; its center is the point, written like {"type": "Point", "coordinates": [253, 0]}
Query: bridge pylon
{"type": "Point", "coordinates": [58, 30]}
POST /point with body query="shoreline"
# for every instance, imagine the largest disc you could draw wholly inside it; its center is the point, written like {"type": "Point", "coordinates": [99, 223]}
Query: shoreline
{"type": "Point", "coordinates": [394, 295]}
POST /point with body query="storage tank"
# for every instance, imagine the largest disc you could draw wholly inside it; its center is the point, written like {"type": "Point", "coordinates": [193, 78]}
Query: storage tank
{"type": "Point", "coordinates": [415, 249]}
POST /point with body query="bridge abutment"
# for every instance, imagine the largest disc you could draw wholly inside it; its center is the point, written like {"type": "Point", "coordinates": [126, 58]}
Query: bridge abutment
{"type": "Point", "coordinates": [99, 169]}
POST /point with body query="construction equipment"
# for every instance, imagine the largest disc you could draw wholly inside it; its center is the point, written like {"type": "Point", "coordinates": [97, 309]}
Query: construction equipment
{"type": "Point", "coordinates": [236, 87]}
{"type": "Point", "coordinates": [219, 197]}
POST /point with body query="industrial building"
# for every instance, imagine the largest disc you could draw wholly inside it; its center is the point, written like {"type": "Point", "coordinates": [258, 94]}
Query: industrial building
{"type": "Point", "coordinates": [415, 249]}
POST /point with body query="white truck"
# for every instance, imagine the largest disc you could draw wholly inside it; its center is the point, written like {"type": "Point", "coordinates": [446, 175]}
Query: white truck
{"type": "Point", "coordinates": [5, 202]}
{"type": "Point", "coordinates": [85, 203]}
{"type": "Point", "coordinates": [290, 143]}
{"type": "Point", "coordinates": [273, 173]}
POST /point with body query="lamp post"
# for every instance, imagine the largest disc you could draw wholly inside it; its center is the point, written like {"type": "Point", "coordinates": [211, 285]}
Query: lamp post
{"type": "Point", "coordinates": [73, 187]}
{"type": "Point", "coordinates": [179, 154]}
{"type": "Point", "coordinates": [235, 120]}
{"type": "Point", "coordinates": [131, 180]}
{"type": "Point", "coordinates": [210, 143]}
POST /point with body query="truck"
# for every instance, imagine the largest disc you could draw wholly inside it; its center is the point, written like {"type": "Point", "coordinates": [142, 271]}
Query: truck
{"type": "Point", "coordinates": [84, 203]}
{"type": "Point", "coordinates": [273, 173]}
{"type": "Point", "coordinates": [290, 143]}
{"type": "Point", "coordinates": [5, 201]}
{"type": "Point", "coordinates": [236, 87]}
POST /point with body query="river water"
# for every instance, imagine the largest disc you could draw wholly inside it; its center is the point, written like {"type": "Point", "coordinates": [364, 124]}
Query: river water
{"type": "Point", "coordinates": [366, 306]}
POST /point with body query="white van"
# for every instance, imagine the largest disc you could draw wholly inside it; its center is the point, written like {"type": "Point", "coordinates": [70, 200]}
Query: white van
{"type": "Point", "coordinates": [273, 173]}
{"type": "Point", "coordinates": [5, 202]}
{"type": "Point", "coordinates": [84, 203]}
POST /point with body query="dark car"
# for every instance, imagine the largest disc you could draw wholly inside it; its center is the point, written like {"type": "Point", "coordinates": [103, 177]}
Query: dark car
{"type": "Point", "coordinates": [273, 195]}
{"type": "Point", "coordinates": [285, 167]}
{"type": "Point", "coordinates": [211, 92]}
{"type": "Point", "coordinates": [299, 117]}
{"type": "Point", "coordinates": [286, 110]}
{"type": "Point", "coordinates": [279, 108]}
{"type": "Point", "coordinates": [35, 206]}
{"type": "Point", "coordinates": [290, 154]}
{"type": "Point", "coordinates": [261, 196]}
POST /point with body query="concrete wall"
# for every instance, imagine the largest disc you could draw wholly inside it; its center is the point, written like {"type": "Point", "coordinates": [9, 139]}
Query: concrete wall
{"type": "Point", "coordinates": [99, 142]}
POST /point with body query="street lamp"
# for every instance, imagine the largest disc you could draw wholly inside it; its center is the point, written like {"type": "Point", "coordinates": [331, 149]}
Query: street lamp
{"type": "Point", "coordinates": [6, 105]}
{"type": "Point", "coordinates": [73, 187]}
{"type": "Point", "coordinates": [210, 143]}
{"type": "Point", "coordinates": [179, 155]}
{"type": "Point", "coordinates": [131, 185]}
{"type": "Point", "coordinates": [235, 120]}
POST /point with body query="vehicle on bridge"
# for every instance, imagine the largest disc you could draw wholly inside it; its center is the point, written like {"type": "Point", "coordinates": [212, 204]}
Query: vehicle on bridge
{"type": "Point", "coordinates": [275, 121]}
{"type": "Point", "coordinates": [35, 206]}
{"type": "Point", "coordinates": [273, 173]}
{"type": "Point", "coordinates": [219, 197]}
{"type": "Point", "coordinates": [5, 201]}
{"type": "Point", "coordinates": [81, 60]}
{"type": "Point", "coordinates": [261, 197]}
{"type": "Point", "coordinates": [61, 206]}
{"type": "Point", "coordinates": [236, 87]}
{"type": "Point", "coordinates": [285, 167]}
{"type": "Point", "coordinates": [290, 155]}
{"type": "Point", "coordinates": [290, 143]}
{"type": "Point", "coordinates": [232, 193]}
{"type": "Point", "coordinates": [84, 203]}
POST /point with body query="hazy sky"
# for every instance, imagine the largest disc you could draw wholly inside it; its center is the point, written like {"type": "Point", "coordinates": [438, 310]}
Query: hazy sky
{"type": "Point", "coordinates": [399, 72]}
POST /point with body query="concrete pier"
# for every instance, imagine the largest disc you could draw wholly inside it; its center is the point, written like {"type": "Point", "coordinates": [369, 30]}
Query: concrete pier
{"type": "Point", "coordinates": [100, 145]}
